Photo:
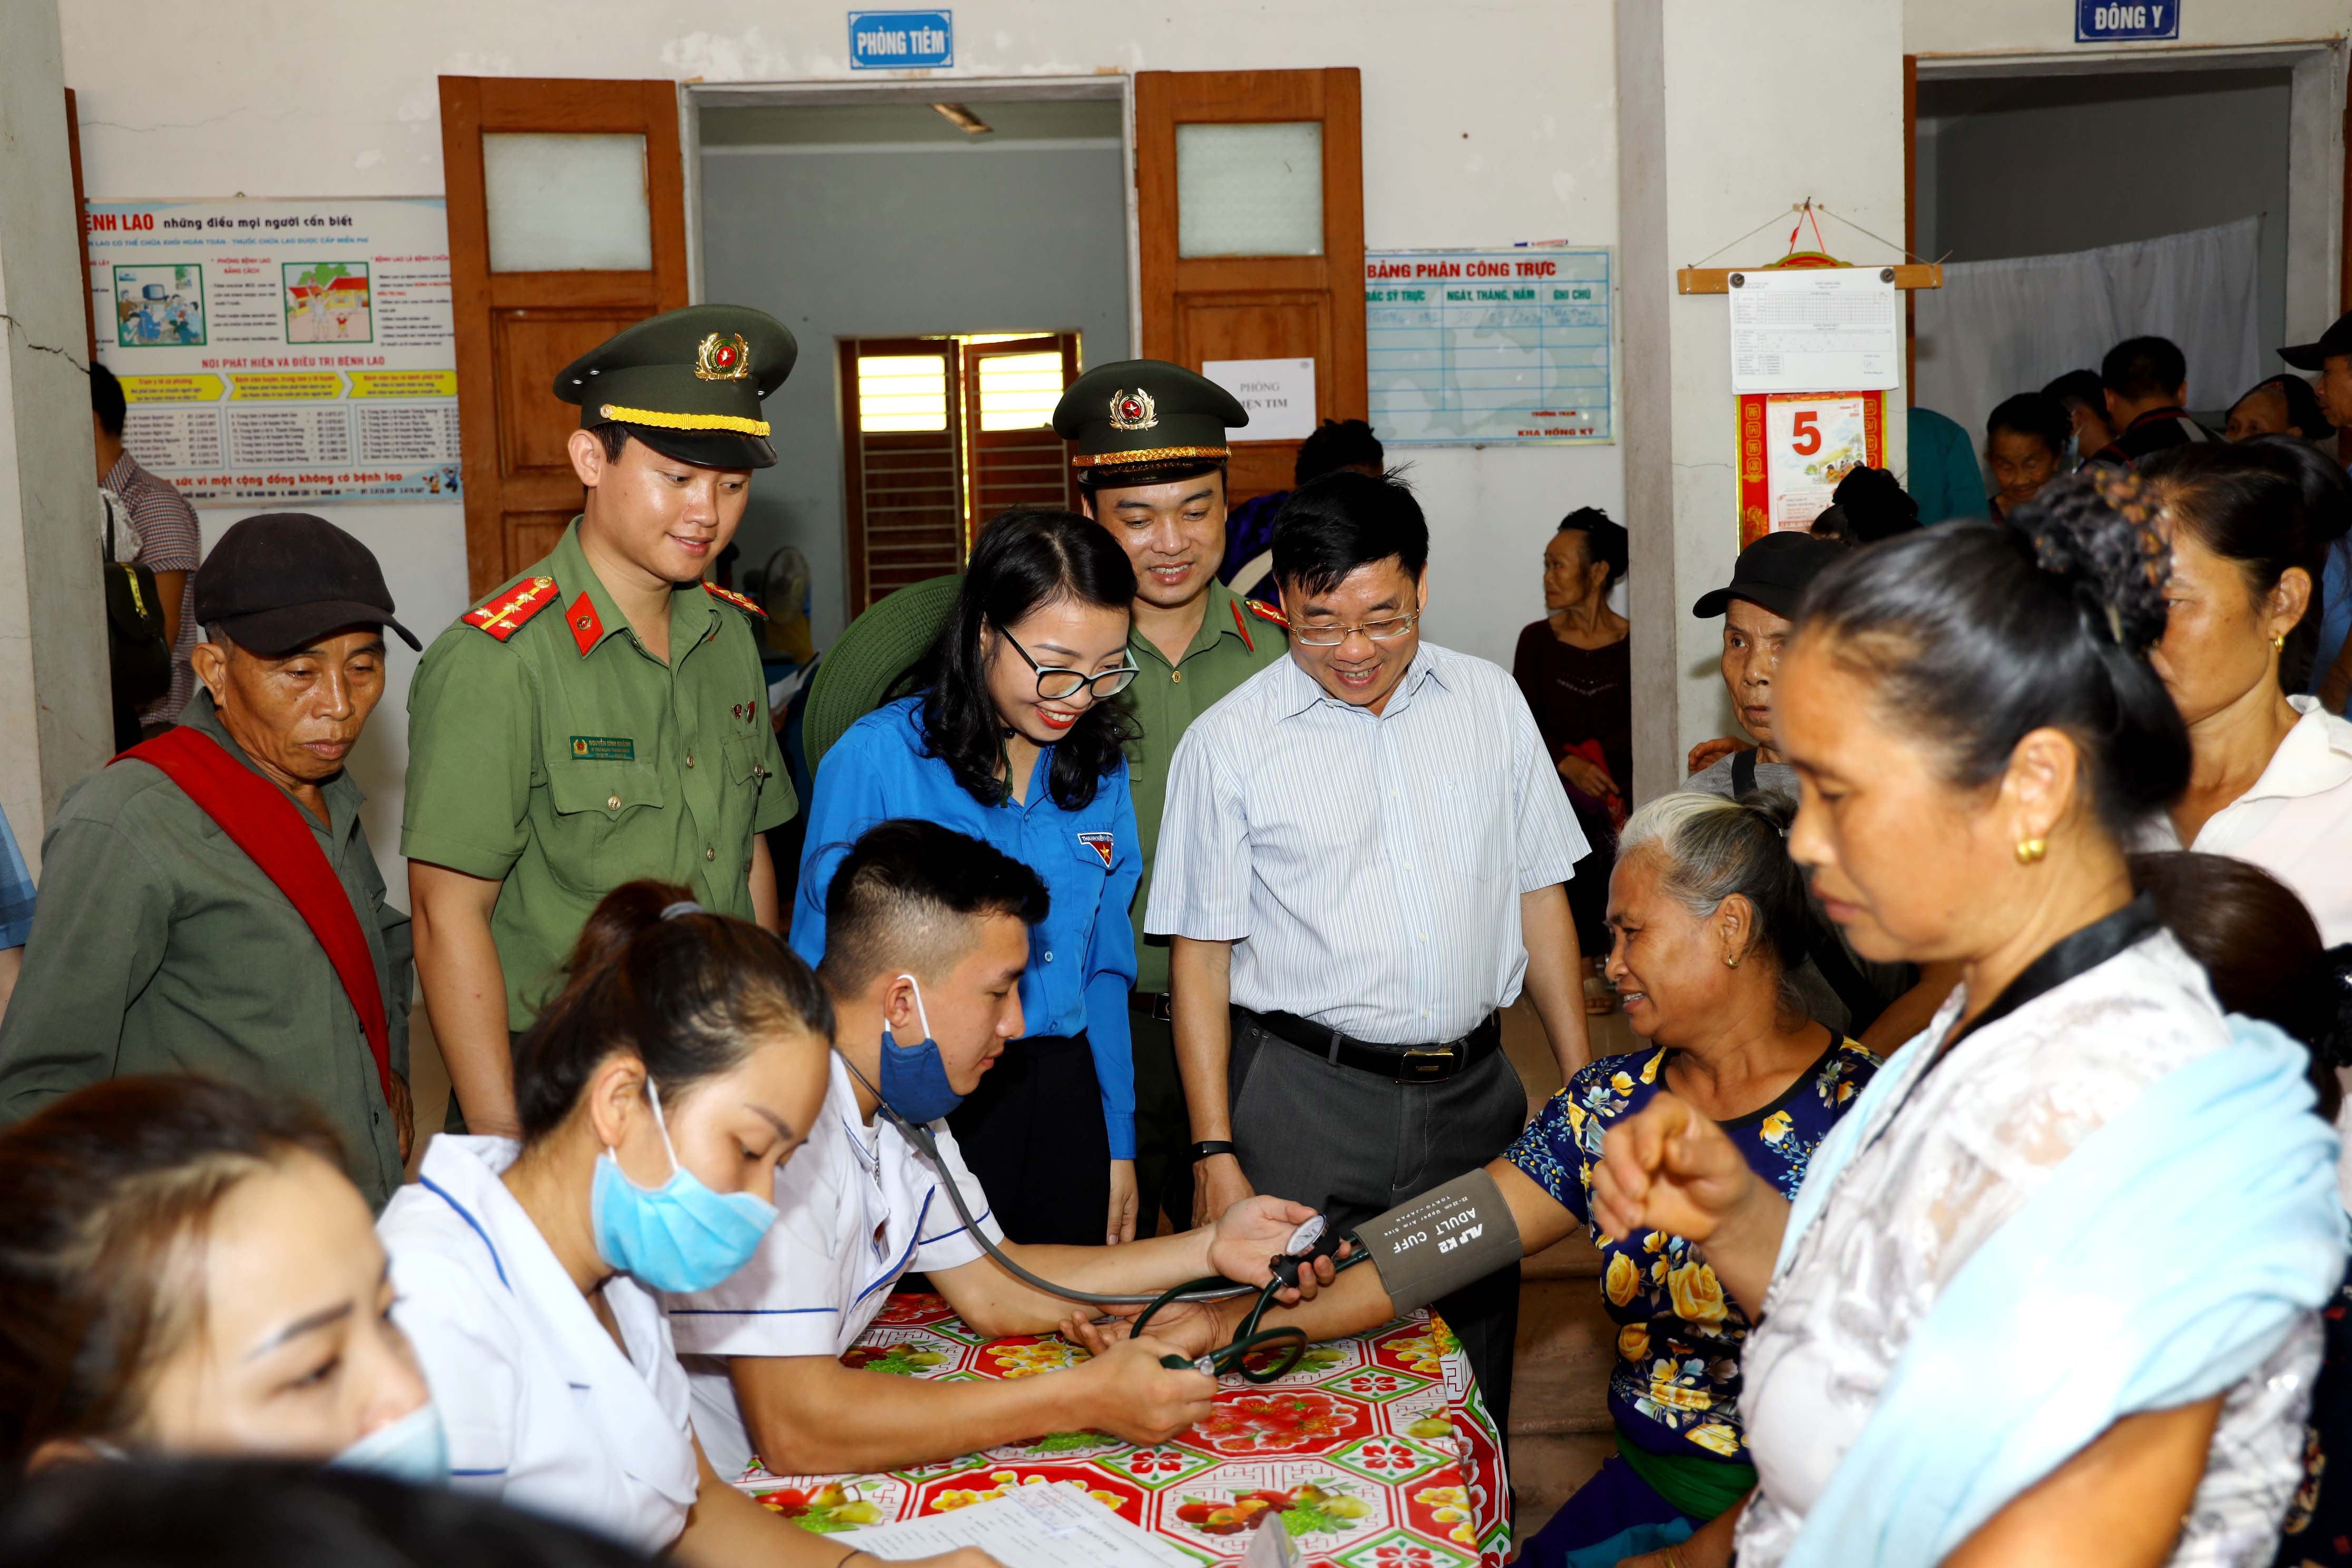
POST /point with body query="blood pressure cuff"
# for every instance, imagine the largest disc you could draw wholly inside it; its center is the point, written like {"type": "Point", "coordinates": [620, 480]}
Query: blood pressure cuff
{"type": "Point", "coordinates": [1442, 1240]}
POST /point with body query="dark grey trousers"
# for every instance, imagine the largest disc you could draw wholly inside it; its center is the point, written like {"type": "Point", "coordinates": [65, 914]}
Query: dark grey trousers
{"type": "Point", "coordinates": [1337, 1137]}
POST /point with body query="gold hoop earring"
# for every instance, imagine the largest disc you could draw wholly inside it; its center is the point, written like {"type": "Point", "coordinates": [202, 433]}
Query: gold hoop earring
{"type": "Point", "coordinates": [2029, 850]}
{"type": "Point", "coordinates": [2278, 642]}
{"type": "Point", "coordinates": [1729, 961]}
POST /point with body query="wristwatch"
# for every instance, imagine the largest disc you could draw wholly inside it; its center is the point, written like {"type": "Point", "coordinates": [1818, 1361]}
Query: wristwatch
{"type": "Point", "coordinates": [1208, 1148]}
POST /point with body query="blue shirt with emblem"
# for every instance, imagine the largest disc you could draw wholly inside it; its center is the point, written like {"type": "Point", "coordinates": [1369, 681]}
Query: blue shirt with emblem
{"type": "Point", "coordinates": [1081, 957]}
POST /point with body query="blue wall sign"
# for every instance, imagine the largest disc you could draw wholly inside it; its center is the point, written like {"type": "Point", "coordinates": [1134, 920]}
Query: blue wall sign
{"type": "Point", "coordinates": [903, 40]}
{"type": "Point", "coordinates": [2111, 21]}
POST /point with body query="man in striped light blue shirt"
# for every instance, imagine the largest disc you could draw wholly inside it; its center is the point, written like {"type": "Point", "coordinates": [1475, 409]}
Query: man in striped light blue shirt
{"type": "Point", "coordinates": [1363, 860]}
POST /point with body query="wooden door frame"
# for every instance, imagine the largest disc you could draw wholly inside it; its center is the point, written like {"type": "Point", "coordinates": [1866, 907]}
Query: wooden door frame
{"type": "Point", "coordinates": [472, 106]}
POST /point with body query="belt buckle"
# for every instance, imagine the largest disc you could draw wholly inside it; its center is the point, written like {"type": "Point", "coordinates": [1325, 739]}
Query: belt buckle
{"type": "Point", "coordinates": [1425, 1064]}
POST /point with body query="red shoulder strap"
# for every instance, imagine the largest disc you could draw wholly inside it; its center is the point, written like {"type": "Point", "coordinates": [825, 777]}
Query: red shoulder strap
{"type": "Point", "coordinates": [1266, 612]}
{"type": "Point", "coordinates": [260, 820]}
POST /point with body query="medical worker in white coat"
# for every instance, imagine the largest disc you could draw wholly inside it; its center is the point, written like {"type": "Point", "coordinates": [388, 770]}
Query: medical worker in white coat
{"type": "Point", "coordinates": [683, 1062]}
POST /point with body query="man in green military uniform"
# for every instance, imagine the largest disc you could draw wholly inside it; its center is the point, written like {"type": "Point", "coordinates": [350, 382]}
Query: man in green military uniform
{"type": "Point", "coordinates": [1148, 440]}
{"type": "Point", "coordinates": [602, 716]}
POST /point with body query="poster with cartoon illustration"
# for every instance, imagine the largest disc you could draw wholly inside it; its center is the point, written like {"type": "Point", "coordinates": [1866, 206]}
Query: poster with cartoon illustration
{"type": "Point", "coordinates": [327, 303]}
{"type": "Point", "coordinates": [159, 306]}
{"type": "Point", "coordinates": [277, 352]}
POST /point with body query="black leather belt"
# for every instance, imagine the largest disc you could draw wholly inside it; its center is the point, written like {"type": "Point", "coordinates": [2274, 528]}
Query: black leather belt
{"type": "Point", "coordinates": [1151, 1005]}
{"type": "Point", "coordinates": [1400, 1064]}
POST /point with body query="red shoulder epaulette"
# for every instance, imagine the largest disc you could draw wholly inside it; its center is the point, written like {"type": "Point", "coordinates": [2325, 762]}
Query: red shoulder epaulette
{"type": "Point", "coordinates": [734, 598]}
{"type": "Point", "coordinates": [1266, 612]}
{"type": "Point", "coordinates": [502, 614]}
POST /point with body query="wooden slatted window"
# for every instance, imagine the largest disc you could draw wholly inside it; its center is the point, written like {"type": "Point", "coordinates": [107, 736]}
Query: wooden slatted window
{"type": "Point", "coordinates": [903, 463]}
{"type": "Point", "coordinates": [1010, 388]}
{"type": "Point", "coordinates": [939, 435]}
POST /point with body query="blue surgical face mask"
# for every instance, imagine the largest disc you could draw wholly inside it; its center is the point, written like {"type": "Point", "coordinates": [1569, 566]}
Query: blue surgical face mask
{"type": "Point", "coordinates": [914, 1079]}
{"type": "Point", "coordinates": [680, 1236]}
{"type": "Point", "coordinates": [413, 1449]}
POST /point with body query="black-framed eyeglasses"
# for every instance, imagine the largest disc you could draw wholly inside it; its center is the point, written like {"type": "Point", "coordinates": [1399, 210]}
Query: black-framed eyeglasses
{"type": "Point", "coordinates": [1055, 682]}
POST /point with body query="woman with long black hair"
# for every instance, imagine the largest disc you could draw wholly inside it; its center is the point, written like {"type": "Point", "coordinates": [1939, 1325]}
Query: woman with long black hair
{"type": "Point", "coordinates": [1012, 740]}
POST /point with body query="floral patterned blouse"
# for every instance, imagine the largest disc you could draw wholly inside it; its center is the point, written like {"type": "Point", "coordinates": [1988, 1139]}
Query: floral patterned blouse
{"type": "Point", "coordinates": [1676, 1387]}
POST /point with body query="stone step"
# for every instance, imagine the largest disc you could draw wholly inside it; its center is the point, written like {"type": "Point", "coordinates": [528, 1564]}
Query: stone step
{"type": "Point", "coordinates": [1566, 1346]}
{"type": "Point", "coordinates": [1573, 1258]}
{"type": "Point", "coordinates": [1546, 1470]}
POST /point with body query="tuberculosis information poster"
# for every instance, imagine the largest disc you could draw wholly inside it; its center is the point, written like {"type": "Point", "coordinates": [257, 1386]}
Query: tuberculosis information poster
{"type": "Point", "coordinates": [281, 351]}
{"type": "Point", "coordinates": [1480, 346]}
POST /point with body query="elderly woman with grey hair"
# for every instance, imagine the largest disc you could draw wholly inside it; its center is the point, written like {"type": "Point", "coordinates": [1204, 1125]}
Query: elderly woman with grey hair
{"type": "Point", "coordinates": [1707, 918]}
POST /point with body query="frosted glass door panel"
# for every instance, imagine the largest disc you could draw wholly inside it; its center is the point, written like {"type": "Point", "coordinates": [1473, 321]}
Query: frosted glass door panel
{"type": "Point", "coordinates": [564, 203]}
{"type": "Point", "coordinates": [1250, 189]}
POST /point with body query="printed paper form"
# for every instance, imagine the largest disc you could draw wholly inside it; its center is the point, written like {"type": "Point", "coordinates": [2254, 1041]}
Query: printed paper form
{"type": "Point", "coordinates": [1045, 1526]}
{"type": "Point", "coordinates": [1827, 329]}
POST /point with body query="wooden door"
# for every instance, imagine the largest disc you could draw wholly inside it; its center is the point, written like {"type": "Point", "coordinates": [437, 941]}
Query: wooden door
{"type": "Point", "coordinates": [1014, 459]}
{"type": "Point", "coordinates": [1201, 299]}
{"type": "Point", "coordinates": [530, 296]}
{"type": "Point", "coordinates": [902, 463]}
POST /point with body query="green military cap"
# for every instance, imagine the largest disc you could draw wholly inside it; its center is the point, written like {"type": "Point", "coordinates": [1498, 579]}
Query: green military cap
{"type": "Point", "coordinates": [1142, 420]}
{"type": "Point", "coordinates": [868, 663]}
{"type": "Point", "coordinates": [688, 383]}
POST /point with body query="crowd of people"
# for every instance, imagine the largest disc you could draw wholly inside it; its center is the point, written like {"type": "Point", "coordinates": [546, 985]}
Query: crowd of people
{"type": "Point", "coordinates": [1161, 890]}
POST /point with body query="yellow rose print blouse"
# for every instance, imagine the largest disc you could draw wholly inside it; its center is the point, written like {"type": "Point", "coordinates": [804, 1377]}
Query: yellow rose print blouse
{"type": "Point", "coordinates": [1676, 1387]}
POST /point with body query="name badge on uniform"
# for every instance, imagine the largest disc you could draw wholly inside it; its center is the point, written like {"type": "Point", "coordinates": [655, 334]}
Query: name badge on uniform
{"type": "Point", "coordinates": [604, 749]}
{"type": "Point", "coordinates": [1099, 842]}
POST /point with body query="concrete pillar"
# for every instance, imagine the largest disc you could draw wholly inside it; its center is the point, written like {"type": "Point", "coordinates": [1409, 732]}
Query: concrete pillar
{"type": "Point", "coordinates": [55, 720]}
{"type": "Point", "coordinates": [1728, 111]}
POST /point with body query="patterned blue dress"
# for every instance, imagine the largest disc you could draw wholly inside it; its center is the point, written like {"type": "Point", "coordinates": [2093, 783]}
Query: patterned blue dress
{"type": "Point", "coordinates": [1675, 1390]}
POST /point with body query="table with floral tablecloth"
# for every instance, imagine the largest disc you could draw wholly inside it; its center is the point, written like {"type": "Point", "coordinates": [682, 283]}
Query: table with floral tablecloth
{"type": "Point", "coordinates": [1375, 1451]}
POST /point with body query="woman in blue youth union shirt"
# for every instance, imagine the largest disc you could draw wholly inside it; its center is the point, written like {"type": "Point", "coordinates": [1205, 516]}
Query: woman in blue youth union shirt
{"type": "Point", "coordinates": [1012, 739]}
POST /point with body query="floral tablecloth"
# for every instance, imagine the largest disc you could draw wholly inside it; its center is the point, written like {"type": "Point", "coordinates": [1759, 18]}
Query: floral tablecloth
{"type": "Point", "coordinates": [1375, 1452]}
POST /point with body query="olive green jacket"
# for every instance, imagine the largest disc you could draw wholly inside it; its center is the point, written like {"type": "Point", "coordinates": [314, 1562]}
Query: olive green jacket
{"type": "Point", "coordinates": [159, 946]}
{"type": "Point", "coordinates": [1233, 644]}
{"type": "Point", "coordinates": [562, 760]}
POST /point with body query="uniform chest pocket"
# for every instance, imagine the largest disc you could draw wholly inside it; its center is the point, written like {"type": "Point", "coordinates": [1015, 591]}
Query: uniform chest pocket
{"type": "Point", "coordinates": [1473, 827]}
{"type": "Point", "coordinates": [1094, 849]}
{"type": "Point", "coordinates": [607, 824]}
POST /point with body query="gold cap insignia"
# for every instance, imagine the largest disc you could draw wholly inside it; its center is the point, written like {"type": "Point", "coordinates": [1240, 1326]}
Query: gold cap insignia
{"type": "Point", "coordinates": [1133, 410]}
{"type": "Point", "coordinates": [722, 358]}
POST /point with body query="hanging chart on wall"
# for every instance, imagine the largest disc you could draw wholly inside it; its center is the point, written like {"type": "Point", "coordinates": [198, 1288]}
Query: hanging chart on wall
{"type": "Point", "coordinates": [1466, 347]}
{"type": "Point", "coordinates": [278, 352]}
{"type": "Point", "coordinates": [1794, 447]}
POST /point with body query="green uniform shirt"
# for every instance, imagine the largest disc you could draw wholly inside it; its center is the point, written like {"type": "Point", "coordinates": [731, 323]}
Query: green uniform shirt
{"type": "Point", "coordinates": [1163, 700]}
{"type": "Point", "coordinates": [567, 760]}
{"type": "Point", "coordinates": [161, 947]}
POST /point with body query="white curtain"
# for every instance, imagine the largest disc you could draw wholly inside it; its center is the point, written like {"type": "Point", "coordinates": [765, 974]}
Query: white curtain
{"type": "Point", "coordinates": [2001, 327]}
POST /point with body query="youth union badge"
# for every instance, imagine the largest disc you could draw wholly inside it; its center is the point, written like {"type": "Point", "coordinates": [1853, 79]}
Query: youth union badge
{"type": "Point", "coordinates": [1099, 842]}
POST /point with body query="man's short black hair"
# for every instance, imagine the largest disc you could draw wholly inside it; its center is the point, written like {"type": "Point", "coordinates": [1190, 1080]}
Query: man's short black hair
{"type": "Point", "coordinates": [2032, 414]}
{"type": "Point", "coordinates": [1332, 525]}
{"type": "Point", "coordinates": [2142, 368]}
{"type": "Point", "coordinates": [2079, 387]}
{"type": "Point", "coordinates": [106, 400]}
{"type": "Point", "coordinates": [1337, 444]}
{"type": "Point", "coordinates": [900, 899]}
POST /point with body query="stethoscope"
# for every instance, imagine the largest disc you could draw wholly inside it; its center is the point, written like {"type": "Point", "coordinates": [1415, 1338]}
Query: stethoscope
{"type": "Point", "coordinates": [1316, 1238]}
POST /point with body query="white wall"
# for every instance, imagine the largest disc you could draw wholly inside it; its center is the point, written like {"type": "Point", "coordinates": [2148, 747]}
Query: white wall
{"type": "Point", "coordinates": [1482, 125]}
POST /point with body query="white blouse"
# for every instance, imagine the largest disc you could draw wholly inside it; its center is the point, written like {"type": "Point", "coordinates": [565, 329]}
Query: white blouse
{"type": "Point", "coordinates": [1973, 1142]}
{"type": "Point", "coordinates": [2296, 821]}
{"type": "Point", "coordinates": [544, 1411]}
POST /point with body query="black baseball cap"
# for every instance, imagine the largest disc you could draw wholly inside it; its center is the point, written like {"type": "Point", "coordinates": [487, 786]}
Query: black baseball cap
{"type": "Point", "coordinates": [1773, 571]}
{"type": "Point", "coordinates": [2336, 340]}
{"type": "Point", "coordinates": [283, 580]}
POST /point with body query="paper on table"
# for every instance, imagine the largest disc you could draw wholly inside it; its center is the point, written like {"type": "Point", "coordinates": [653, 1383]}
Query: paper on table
{"type": "Point", "coordinates": [1815, 330]}
{"type": "Point", "coordinates": [1045, 1526]}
